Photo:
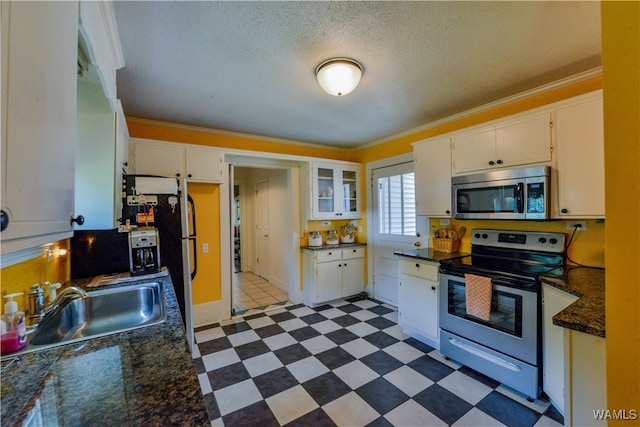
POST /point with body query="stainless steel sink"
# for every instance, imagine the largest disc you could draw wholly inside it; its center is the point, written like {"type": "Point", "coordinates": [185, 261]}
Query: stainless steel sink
{"type": "Point", "coordinates": [104, 312]}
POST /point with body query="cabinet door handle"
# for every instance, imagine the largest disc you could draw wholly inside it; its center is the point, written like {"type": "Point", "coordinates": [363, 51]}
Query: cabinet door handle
{"type": "Point", "coordinates": [433, 288]}
{"type": "Point", "coordinates": [178, 175]}
{"type": "Point", "coordinates": [448, 212]}
{"type": "Point", "coordinates": [78, 220]}
{"type": "Point", "coordinates": [345, 264]}
{"type": "Point", "coordinates": [491, 163]}
{"type": "Point", "coordinates": [499, 162]}
{"type": "Point", "coordinates": [417, 265]}
{"type": "Point", "coordinates": [564, 210]}
{"type": "Point", "coordinates": [189, 175]}
{"type": "Point", "coordinates": [4, 220]}
{"type": "Point", "coordinates": [339, 265]}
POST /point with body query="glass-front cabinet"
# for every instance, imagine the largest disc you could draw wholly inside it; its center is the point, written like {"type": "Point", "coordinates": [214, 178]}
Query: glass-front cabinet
{"type": "Point", "coordinates": [335, 191]}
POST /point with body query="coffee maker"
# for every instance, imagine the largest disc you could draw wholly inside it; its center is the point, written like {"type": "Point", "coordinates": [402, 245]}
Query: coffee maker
{"type": "Point", "coordinates": [144, 251]}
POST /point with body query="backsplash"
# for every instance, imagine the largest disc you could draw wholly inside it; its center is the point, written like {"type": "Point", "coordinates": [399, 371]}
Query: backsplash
{"type": "Point", "coordinates": [54, 267]}
{"type": "Point", "coordinates": [96, 252]}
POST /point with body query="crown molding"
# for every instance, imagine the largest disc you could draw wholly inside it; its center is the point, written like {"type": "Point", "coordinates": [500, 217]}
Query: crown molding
{"type": "Point", "coordinates": [576, 78]}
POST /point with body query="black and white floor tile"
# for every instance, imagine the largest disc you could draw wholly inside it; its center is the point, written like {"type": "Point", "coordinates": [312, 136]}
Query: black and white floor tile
{"type": "Point", "coordinates": [345, 364]}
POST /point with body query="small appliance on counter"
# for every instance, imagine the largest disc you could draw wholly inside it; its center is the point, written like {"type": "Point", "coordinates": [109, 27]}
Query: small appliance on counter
{"type": "Point", "coordinates": [332, 237]}
{"type": "Point", "coordinates": [144, 251]}
{"type": "Point", "coordinates": [315, 239]}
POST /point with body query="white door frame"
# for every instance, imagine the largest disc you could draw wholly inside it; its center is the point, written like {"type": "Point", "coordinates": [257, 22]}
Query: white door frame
{"type": "Point", "coordinates": [390, 161]}
{"type": "Point", "coordinates": [261, 270]}
{"type": "Point", "coordinates": [240, 158]}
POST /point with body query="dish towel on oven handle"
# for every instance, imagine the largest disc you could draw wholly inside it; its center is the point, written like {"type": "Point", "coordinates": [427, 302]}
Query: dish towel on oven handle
{"type": "Point", "coordinates": [478, 295]}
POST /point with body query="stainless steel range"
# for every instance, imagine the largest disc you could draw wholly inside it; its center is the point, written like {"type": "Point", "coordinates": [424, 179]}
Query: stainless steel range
{"type": "Point", "coordinates": [490, 304]}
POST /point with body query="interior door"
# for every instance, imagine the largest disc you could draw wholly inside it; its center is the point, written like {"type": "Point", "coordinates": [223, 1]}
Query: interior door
{"type": "Point", "coordinates": [395, 226]}
{"type": "Point", "coordinates": [262, 228]}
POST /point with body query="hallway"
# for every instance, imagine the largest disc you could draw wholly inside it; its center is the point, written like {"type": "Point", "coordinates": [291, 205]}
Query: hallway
{"type": "Point", "coordinates": [253, 292]}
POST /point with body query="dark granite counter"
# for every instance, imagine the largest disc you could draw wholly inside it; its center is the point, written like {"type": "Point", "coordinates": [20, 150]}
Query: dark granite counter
{"type": "Point", "coordinates": [429, 254]}
{"type": "Point", "coordinates": [587, 314]}
{"type": "Point", "coordinates": [339, 246]}
{"type": "Point", "coordinates": [145, 376]}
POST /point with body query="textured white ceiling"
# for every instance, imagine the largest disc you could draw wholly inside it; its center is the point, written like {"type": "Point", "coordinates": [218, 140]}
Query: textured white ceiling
{"type": "Point", "coordinates": [249, 66]}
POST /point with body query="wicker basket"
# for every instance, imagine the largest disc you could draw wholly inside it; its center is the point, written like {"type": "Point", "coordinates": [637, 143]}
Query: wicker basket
{"type": "Point", "coordinates": [446, 245]}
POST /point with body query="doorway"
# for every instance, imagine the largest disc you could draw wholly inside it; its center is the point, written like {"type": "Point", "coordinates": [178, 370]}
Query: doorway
{"type": "Point", "coordinates": [395, 225]}
{"type": "Point", "coordinates": [262, 232]}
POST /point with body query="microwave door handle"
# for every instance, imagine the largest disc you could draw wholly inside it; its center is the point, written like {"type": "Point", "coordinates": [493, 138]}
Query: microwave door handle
{"type": "Point", "coordinates": [520, 197]}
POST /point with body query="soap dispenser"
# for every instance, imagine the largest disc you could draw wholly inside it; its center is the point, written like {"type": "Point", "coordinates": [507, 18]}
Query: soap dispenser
{"type": "Point", "coordinates": [14, 327]}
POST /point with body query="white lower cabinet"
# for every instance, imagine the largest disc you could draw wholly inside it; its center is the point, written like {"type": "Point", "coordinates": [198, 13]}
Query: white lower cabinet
{"type": "Point", "coordinates": [418, 301]}
{"type": "Point", "coordinates": [331, 274]}
{"type": "Point", "coordinates": [554, 301]}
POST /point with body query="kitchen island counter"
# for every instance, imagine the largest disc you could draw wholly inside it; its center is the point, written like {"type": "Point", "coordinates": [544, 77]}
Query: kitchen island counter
{"type": "Point", "coordinates": [145, 376]}
{"type": "Point", "coordinates": [587, 314]}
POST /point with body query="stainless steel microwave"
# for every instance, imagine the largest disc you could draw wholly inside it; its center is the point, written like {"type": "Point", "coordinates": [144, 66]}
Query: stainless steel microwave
{"type": "Point", "coordinates": [521, 194]}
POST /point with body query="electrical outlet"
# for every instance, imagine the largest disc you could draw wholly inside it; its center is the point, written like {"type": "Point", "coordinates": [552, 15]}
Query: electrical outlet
{"type": "Point", "coordinates": [445, 221]}
{"type": "Point", "coordinates": [579, 225]}
{"type": "Point", "coordinates": [205, 248]}
{"type": "Point", "coordinates": [326, 223]}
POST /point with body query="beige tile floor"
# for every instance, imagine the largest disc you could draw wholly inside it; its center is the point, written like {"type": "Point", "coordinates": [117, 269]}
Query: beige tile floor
{"type": "Point", "coordinates": [252, 291]}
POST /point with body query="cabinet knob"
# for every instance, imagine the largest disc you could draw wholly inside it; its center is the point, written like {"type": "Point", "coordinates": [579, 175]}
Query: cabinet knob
{"type": "Point", "coordinates": [125, 163]}
{"type": "Point", "coordinates": [417, 265]}
{"type": "Point", "coordinates": [499, 162]}
{"type": "Point", "coordinates": [448, 212]}
{"type": "Point", "coordinates": [417, 244]}
{"type": "Point", "coordinates": [564, 210]}
{"type": "Point", "coordinates": [345, 264]}
{"type": "Point", "coordinates": [177, 175]}
{"type": "Point", "coordinates": [4, 220]}
{"type": "Point", "coordinates": [339, 265]}
{"type": "Point", "coordinates": [189, 175]}
{"type": "Point", "coordinates": [330, 253]}
{"type": "Point", "coordinates": [78, 220]}
{"type": "Point", "coordinates": [433, 288]}
{"type": "Point", "coordinates": [491, 163]}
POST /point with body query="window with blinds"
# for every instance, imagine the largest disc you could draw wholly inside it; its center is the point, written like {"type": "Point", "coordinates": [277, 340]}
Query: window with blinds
{"type": "Point", "coordinates": [397, 204]}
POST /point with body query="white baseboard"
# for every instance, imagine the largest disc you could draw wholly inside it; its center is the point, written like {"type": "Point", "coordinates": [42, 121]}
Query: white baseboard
{"type": "Point", "coordinates": [210, 312]}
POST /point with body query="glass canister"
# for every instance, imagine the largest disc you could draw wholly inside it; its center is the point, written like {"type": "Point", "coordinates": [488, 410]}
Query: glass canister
{"type": "Point", "coordinates": [315, 238]}
{"type": "Point", "coordinates": [332, 237]}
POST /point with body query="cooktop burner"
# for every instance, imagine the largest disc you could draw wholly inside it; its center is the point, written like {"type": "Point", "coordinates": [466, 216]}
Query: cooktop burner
{"type": "Point", "coordinates": [513, 253]}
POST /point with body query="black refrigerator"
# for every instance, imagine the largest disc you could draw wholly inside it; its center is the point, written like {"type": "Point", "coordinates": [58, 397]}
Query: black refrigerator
{"type": "Point", "coordinates": [164, 203]}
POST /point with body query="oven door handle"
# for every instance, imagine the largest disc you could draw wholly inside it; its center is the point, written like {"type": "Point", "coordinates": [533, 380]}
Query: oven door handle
{"type": "Point", "coordinates": [520, 197]}
{"type": "Point", "coordinates": [488, 357]}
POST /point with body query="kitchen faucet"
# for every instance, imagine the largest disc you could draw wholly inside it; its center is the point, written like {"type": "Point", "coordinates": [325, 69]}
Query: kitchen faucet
{"type": "Point", "coordinates": [38, 308]}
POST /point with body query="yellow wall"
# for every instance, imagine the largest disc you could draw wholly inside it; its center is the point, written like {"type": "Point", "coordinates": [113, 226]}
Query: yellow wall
{"type": "Point", "coordinates": [20, 277]}
{"type": "Point", "coordinates": [142, 128]}
{"type": "Point", "coordinates": [206, 286]}
{"type": "Point", "coordinates": [621, 97]}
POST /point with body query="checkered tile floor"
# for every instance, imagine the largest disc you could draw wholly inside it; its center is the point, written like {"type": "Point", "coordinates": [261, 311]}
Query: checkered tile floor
{"type": "Point", "coordinates": [345, 364]}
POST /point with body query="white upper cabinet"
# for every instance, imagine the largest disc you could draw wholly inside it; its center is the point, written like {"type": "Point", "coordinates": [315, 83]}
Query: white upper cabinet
{"type": "Point", "coordinates": [432, 169]}
{"type": "Point", "coordinates": [101, 127]}
{"type": "Point", "coordinates": [39, 63]}
{"type": "Point", "coordinates": [100, 52]}
{"type": "Point", "coordinates": [522, 140]}
{"type": "Point", "coordinates": [331, 190]}
{"type": "Point", "coordinates": [579, 143]}
{"type": "Point", "coordinates": [197, 164]}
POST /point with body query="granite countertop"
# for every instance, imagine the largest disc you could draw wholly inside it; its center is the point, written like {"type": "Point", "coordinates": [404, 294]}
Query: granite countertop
{"type": "Point", "coordinates": [145, 376]}
{"type": "Point", "coordinates": [430, 254]}
{"type": "Point", "coordinates": [587, 314]}
{"type": "Point", "coordinates": [338, 246]}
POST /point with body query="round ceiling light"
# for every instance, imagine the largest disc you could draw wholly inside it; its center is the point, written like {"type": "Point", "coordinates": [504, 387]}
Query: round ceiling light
{"type": "Point", "coordinates": [339, 76]}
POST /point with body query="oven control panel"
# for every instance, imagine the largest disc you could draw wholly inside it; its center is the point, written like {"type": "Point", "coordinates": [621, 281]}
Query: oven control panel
{"type": "Point", "coordinates": [525, 240]}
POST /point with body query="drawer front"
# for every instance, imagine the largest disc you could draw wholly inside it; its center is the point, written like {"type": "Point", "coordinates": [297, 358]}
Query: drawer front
{"type": "Point", "coordinates": [425, 270]}
{"type": "Point", "coordinates": [352, 253]}
{"type": "Point", "coordinates": [330, 255]}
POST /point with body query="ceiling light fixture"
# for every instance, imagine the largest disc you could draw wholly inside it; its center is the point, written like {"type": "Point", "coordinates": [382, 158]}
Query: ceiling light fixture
{"type": "Point", "coordinates": [339, 76]}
